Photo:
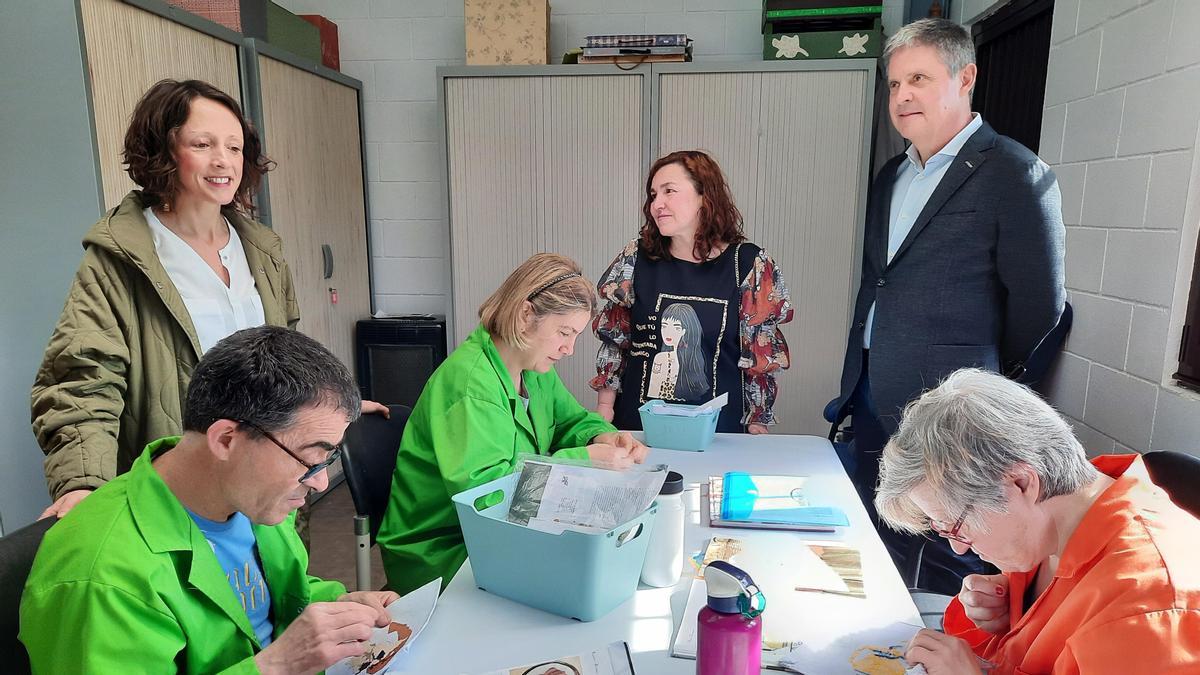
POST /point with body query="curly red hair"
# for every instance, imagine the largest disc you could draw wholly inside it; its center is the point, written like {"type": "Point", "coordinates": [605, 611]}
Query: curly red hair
{"type": "Point", "coordinates": [720, 220]}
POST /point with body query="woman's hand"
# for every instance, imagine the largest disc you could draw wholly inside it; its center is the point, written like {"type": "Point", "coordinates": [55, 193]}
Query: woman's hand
{"type": "Point", "coordinates": [373, 408]}
{"type": "Point", "coordinates": [65, 503]}
{"type": "Point", "coordinates": [624, 439]}
{"type": "Point", "coordinates": [984, 598]}
{"type": "Point", "coordinates": [605, 399]}
{"type": "Point", "coordinates": [610, 455]}
{"type": "Point", "coordinates": [942, 654]}
{"type": "Point", "coordinates": [756, 429]}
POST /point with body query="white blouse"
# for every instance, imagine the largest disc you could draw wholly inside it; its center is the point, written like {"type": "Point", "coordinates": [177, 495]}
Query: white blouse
{"type": "Point", "coordinates": [216, 310]}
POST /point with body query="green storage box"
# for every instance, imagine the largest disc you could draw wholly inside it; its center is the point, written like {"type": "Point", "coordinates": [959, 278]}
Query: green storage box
{"type": "Point", "coordinates": [835, 42]}
{"type": "Point", "coordinates": [290, 32]}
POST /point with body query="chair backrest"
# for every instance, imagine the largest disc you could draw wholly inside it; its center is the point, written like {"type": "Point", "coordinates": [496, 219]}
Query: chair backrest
{"type": "Point", "coordinates": [369, 459]}
{"type": "Point", "coordinates": [1178, 474]}
{"type": "Point", "coordinates": [16, 559]}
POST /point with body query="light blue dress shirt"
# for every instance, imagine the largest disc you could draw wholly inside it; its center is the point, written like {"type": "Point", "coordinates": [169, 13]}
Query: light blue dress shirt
{"type": "Point", "coordinates": [913, 188]}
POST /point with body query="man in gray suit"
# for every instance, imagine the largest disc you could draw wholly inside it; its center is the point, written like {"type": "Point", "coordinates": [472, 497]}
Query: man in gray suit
{"type": "Point", "coordinates": [962, 261]}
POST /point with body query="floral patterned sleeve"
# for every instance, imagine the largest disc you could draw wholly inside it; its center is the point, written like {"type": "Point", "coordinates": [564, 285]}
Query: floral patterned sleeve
{"type": "Point", "coordinates": [765, 305]}
{"type": "Point", "coordinates": [611, 325]}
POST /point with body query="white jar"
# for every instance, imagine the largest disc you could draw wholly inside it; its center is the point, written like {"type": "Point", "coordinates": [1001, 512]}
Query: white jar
{"type": "Point", "coordinates": [664, 553]}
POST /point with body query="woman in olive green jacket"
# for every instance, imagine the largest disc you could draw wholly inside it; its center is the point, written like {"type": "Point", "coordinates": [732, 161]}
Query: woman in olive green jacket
{"type": "Point", "coordinates": [496, 396]}
{"type": "Point", "coordinates": [166, 274]}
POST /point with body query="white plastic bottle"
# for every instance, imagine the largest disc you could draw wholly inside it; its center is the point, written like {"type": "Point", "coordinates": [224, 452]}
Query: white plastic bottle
{"type": "Point", "coordinates": [664, 553]}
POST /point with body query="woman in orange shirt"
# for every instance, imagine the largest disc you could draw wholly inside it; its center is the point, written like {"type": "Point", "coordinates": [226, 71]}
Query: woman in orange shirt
{"type": "Point", "coordinates": [1100, 571]}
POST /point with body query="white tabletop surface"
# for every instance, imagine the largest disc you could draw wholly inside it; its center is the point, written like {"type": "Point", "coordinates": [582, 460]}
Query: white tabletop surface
{"type": "Point", "coordinates": [473, 631]}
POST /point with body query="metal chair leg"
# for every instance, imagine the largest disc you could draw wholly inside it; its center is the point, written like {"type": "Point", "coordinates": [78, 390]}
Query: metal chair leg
{"type": "Point", "coordinates": [362, 553]}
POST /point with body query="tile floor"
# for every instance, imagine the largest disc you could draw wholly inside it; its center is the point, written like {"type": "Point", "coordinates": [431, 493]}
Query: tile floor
{"type": "Point", "coordinates": [331, 550]}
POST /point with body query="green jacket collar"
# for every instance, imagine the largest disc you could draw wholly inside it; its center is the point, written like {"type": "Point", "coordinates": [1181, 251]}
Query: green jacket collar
{"type": "Point", "coordinates": [520, 413]}
{"type": "Point", "coordinates": [124, 234]}
{"type": "Point", "coordinates": [165, 526]}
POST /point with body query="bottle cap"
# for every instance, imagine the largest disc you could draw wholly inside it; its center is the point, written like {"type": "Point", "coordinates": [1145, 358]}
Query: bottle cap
{"type": "Point", "coordinates": [673, 485]}
{"type": "Point", "coordinates": [732, 591]}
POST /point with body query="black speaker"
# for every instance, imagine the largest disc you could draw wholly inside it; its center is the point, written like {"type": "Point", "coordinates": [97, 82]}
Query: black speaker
{"type": "Point", "coordinates": [397, 355]}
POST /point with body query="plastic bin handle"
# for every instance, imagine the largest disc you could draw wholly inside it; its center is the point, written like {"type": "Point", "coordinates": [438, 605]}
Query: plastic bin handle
{"type": "Point", "coordinates": [629, 535]}
{"type": "Point", "coordinates": [488, 500]}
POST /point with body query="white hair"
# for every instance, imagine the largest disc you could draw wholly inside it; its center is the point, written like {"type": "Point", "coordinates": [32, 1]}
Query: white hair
{"type": "Point", "coordinates": [963, 437]}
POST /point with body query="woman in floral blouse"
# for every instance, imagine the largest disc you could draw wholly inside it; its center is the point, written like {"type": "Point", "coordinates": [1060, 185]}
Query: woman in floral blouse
{"type": "Point", "coordinates": [673, 297]}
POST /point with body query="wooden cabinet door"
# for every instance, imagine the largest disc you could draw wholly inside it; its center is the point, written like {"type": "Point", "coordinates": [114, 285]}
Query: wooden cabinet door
{"type": "Point", "coordinates": [128, 50]}
{"type": "Point", "coordinates": [311, 130]}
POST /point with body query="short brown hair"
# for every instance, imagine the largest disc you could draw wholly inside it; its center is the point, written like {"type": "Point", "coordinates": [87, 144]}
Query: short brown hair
{"type": "Point", "coordinates": [550, 283]}
{"type": "Point", "coordinates": [153, 129]}
{"type": "Point", "coordinates": [720, 220]}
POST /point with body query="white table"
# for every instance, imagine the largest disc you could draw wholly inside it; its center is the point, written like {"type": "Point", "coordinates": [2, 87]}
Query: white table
{"type": "Point", "coordinates": [473, 631]}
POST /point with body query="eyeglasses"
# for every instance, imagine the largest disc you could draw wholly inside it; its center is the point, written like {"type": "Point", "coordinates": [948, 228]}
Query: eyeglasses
{"type": "Point", "coordinates": [313, 469]}
{"type": "Point", "coordinates": [952, 533]}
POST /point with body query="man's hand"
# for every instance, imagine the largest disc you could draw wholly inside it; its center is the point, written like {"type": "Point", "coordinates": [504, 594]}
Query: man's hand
{"type": "Point", "coordinates": [624, 439]}
{"type": "Point", "coordinates": [984, 598]}
{"type": "Point", "coordinates": [610, 455]}
{"type": "Point", "coordinates": [756, 429]}
{"type": "Point", "coordinates": [65, 503]}
{"type": "Point", "coordinates": [377, 600]}
{"type": "Point", "coordinates": [942, 654]}
{"type": "Point", "coordinates": [323, 634]}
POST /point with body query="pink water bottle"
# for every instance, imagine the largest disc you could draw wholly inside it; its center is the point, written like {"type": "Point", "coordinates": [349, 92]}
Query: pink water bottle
{"type": "Point", "coordinates": [729, 635]}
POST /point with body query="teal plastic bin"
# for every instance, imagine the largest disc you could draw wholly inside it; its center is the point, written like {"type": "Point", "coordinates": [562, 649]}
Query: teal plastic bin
{"type": "Point", "coordinates": [572, 574]}
{"type": "Point", "coordinates": [678, 433]}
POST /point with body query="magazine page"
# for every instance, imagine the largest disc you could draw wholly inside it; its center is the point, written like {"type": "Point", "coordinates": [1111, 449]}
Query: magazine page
{"type": "Point", "coordinates": [410, 614]}
{"type": "Point", "coordinates": [613, 659]}
{"type": "Point", "coordinates": [802, 581]}
{"type": "Point", "coordinates": [585, 498]}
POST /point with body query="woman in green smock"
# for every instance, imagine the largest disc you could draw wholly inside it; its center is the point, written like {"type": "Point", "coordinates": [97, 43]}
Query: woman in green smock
{"type": "Point", "coordinates": [495, 397]}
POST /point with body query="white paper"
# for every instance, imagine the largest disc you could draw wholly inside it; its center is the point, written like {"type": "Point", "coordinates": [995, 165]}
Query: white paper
{"type": "Point", "coordinates": [680, 410]}
{"type": "Point", "coordinates": [581, 498]}
{"type": "Point", "coordinates": [610, 660]}
{"type": "Point", "coordinates": [410, 614]}
{"type": "Point", "coordinates": [869, 650]}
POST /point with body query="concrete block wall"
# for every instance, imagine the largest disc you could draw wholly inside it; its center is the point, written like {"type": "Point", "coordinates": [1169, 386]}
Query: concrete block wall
{"type": "Point", "coordinates": [1120, 130]}
{"type": "Point", "coordinates": [1120, 125]}
{"type": "Point", "coordinates": [395, 47]}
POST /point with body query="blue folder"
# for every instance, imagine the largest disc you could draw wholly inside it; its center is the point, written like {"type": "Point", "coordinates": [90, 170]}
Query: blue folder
{"type": "Point", "coordinates": [755, 498]}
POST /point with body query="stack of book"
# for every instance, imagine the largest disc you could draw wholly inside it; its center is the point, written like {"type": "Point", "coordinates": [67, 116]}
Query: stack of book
{"type": "Point", "coordinates": [637, 48]}
{"type": "Point", "coordinates": [753, 501]}
{"type": "Point", "coordinates": [821, 29]}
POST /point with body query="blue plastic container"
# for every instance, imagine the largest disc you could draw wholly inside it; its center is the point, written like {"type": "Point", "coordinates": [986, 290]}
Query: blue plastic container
{"type": "Point", "coordinates": [678, 433]}
{"type": "Point", "coordinates": [572, 574]}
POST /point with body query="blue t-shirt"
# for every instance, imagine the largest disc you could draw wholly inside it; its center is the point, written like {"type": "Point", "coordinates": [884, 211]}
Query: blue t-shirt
{"type": "Point", "coordinates": [236, 549]}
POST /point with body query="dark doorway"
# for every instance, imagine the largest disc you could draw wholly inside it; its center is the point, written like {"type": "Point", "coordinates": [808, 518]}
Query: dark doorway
{"type": "Point", "coordinates": [1012, 49]}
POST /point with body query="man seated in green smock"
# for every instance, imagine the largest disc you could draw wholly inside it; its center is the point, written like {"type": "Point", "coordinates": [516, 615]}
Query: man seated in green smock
{"type": "Point", "coordinates": [190, 562]}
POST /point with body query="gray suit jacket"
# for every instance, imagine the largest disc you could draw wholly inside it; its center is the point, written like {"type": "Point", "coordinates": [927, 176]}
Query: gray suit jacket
{"type": "Point", "coordinates": [977, 282]}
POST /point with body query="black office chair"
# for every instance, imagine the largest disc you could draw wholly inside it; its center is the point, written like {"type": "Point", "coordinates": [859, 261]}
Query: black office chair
{"type": "Point", "coordinates": [368, 460]}
{"type": "Point", "coordinates": [1178, 474]}
{"type": "Point", "coordinates": [16, 559]}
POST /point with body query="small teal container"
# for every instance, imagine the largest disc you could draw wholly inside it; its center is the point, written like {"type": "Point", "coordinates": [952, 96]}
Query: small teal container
{"type": "Point", "coordinates": [678, 433]}
{"type": "Point", "coordinates": [572, 574]}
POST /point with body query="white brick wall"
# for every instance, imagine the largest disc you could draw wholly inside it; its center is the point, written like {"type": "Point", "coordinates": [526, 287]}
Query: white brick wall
{"type": "Point", "coordinates": [395, 46]}
{"type": "Point", "coordinates": [1122, 109]}
{"type": "Point", "coordinates": [1120, 129]}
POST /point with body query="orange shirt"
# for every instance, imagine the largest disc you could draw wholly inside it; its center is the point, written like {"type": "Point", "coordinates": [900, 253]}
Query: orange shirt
{"type": "Point", "coordinates": [1124, 600]}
